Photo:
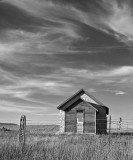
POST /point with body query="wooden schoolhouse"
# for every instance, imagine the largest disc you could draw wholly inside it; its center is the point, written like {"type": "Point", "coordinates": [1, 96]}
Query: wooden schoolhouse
{"type": "Point", "coordinates": [83, 113]}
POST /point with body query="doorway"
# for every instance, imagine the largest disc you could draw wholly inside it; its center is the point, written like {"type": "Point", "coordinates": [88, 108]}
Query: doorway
{"type": "Point", "coordinates": [80, 121]}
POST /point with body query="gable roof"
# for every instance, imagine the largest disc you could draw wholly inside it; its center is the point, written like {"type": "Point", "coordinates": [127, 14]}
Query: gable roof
{"type": "Point", "coordinates": [76, 97]}
{"type": "Point", "coordinates": [89, 104]}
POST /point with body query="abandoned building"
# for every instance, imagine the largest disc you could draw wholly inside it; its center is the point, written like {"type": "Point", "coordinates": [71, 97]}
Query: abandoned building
{"type": "Point", "coordinates": [82, 113]}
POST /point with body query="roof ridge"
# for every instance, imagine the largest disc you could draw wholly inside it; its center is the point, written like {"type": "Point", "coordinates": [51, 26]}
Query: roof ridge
{"type": "Point", "coordinates": [71, 97]}
{"type": "Point", "coordinates": [80, 92]}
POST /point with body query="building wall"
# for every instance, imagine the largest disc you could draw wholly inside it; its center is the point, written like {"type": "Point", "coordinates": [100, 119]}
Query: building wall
{"type": "Point", "coordinates": [71, 117]}
{"type": "Point", "coordinates": [62, 121]}
{"type": "Point", "coordinates": [101, 122]}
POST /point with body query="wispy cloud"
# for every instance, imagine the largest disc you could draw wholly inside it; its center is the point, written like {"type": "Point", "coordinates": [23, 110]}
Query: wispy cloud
{"type": "Point", "coordinates": [120, 93]}
{"type": "Point", "coordinates": [50, 49]}
{"type": "Point", "coordinates": [114, 91]}
{"type": "Point", "coordinates": [115, 78]}
{"type": "Point", "coordinates": [113, 18]}
{"type": "Point", "coordinates": [7, 49]}
{"type": "Point", "coordinates": [51, 12]}
{"type": "Point", "coordinates": [16, 92]}
{"type": "Point", "coordinates": [87, 73]}
{"type": "Point", "coordinates": [121, 18]}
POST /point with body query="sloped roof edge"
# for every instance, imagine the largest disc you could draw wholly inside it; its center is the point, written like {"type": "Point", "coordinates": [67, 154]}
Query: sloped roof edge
{"type": "Point", "coordinates": [89, 104]}
{"type": "Point", "coordinates": [100, 103]}
{"type": "Point", "coordinates": [80, 92]}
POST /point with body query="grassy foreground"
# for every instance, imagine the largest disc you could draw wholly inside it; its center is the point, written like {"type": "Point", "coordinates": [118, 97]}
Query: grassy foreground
{"type": "Point", "coordinates": [65, 147]}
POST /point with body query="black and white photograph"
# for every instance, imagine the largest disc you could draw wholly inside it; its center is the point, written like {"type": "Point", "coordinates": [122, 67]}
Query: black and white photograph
{"type": "Point", "coordinates": [66, 79]}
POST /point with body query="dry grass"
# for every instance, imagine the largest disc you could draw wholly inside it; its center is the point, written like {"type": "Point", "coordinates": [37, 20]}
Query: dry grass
{"type": "Point", "coordinates": [65, 147]}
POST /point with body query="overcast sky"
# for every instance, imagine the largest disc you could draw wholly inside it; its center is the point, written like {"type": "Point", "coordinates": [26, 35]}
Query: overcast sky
{"type": "Point", "coordinates": [49, 49]}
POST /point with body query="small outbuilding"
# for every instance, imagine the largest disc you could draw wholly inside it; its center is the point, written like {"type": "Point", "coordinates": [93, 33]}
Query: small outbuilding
{"type": "Point", "coordinates": [82, 113]}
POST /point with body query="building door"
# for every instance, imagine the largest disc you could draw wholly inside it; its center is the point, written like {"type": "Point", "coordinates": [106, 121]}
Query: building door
{"type": "Point", "coordinates": [80, 121]}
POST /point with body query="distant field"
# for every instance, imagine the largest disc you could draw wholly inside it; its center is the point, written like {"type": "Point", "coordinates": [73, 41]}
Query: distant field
{"type": "Point", "coordinates": [44, 143]}
{"type": "Point", "coordinates": [43, 129]}
{"type": "Point", "coordinates": [9, 126]}
{"type": "Point", "coordinates": [40, 129]}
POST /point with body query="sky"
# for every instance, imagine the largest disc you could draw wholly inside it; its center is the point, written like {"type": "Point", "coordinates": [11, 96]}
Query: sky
{"type": "Point", "coordinates": [50, 49]}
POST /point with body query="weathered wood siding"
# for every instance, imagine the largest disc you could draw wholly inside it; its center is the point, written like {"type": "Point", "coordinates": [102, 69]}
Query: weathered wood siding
{"type": "Point", "coordinates": [71, 117]}
{"type": "Point", "coordinates": [70, 121]}
{"type": "Point", "coordinates": [89, 123]}
{"type": "Point", "coordinates": [101, 122]}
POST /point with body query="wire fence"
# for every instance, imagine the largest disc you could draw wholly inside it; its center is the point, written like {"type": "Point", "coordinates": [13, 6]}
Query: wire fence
{"type": "Point", "coordinates": [32, 127]}
{"type": "Point", "coordinates": [51, 126]}
{"type": "Point", "coordinates": [121, 126]}
{"type": "Point", "coordinates": [113, 126]}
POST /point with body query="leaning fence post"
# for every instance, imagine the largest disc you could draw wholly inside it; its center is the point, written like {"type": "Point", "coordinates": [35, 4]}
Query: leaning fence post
{"type": "Point", "coordinates": [22, 130]}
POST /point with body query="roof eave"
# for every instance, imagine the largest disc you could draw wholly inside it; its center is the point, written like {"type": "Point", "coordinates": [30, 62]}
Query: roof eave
{"type": "Point", "coordinates": [60, 106]}
{"type": "Point", "coordinates": [100, 103]}
{"type": "Point", "coordinates": [88, 104]}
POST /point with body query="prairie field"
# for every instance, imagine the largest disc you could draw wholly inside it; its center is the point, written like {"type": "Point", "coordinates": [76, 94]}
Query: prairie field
{"type": "Point", "coordinates": [44, 143]}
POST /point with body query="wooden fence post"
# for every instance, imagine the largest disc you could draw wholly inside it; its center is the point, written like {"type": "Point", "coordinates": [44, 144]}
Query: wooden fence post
{"type": "Point", "coordinates": [22, 130]}
{"type": "Point", "coordinates": [109, 139]}
{"type": "Point", "coordinates": [109, 130]}
{"type": "Point", "coordinates": [120, 137]}
{"type": "Point", "coordinates": [109, 124]}
{"type": "Point", "coordinates": [120, 125]}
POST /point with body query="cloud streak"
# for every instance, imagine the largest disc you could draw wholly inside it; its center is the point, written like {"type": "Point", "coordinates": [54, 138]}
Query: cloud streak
{"type": "Point", "coordinates": [117, 72]}
{"type": "Point", "coordinates": [120, 93]}
{"type": "Point", "coordinates": [118, 16]}
{"type": "Point", "coordinates": [50, 49]}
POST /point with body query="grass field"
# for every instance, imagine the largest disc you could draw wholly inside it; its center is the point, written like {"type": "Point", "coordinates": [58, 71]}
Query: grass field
{"type": "Point", "coordinates": [42, 143]}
